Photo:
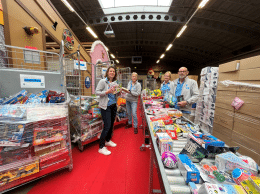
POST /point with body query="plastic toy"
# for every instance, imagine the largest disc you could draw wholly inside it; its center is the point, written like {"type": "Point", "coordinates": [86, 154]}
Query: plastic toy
{"type": "Point", "coordinates": [169, 160]}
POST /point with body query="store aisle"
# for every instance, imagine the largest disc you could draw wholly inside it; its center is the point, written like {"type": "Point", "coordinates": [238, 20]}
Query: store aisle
{"type": "Point", "coordinates": [126, 170]}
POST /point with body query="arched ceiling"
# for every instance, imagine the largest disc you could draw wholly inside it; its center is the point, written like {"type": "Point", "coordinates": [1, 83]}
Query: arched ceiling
{"type": "Point", "coordinates": [222, 29]}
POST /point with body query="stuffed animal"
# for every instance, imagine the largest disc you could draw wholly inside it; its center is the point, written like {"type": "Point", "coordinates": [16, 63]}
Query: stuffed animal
{"type": "Point", "coordinates": [150, 73]}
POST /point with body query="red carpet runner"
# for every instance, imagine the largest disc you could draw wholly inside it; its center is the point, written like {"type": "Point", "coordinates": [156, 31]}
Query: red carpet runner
{"type": "Point", "coordinates": [126, 170]}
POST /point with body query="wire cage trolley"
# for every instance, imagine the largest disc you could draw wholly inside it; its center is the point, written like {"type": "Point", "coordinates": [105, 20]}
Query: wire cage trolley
{"type": "Point", "coordinates": [34, 128]}
{"type": "Point", "coordinates": [85, 116]}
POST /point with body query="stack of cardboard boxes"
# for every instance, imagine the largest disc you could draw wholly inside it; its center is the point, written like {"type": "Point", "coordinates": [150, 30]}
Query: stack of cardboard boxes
{"type": "Point", "coordinates": [239, 127]}
{"type": "Point", "coordinates": [204, 114]}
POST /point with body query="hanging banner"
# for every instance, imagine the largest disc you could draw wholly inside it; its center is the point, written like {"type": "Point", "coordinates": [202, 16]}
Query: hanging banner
{"type": "Point", "coordinates": [32, 81]}
{"type": "Point", "coordinates": [83, 65]}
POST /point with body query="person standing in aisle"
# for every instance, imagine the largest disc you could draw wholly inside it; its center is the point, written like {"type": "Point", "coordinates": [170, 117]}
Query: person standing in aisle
{"type": "Point", "coordinates": [107, 103]}
{"type": "Point", "coordinates": [134, 90]}
{"type": "Point", "coordinates": [167, 85]}
{"type": "Point", "coordinates": [186, 91]}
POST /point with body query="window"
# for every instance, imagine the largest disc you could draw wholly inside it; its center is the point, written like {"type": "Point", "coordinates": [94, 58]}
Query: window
{"type": "Point", "coordinates": [120, 6]}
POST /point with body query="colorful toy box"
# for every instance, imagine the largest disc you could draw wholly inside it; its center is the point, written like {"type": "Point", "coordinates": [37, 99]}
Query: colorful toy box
{"type": "Point", "coordinates": [207, 140]}
{"type": "Point", "coordinates": [208, 188]}
{"type": "Point", "coordinates": [188, 170]}
{"type": "Point", "coordinates": [165, 142]}
{"type": "Point", "coordinates": [229, 161]}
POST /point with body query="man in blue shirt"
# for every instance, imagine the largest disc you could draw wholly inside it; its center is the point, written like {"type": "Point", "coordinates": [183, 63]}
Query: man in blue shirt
{"type": "Point", "coordinates": [186, 91]}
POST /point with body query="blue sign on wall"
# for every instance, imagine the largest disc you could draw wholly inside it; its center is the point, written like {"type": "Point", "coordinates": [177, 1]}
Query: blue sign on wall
{"type": "Point", "coordinates": [87, 82]}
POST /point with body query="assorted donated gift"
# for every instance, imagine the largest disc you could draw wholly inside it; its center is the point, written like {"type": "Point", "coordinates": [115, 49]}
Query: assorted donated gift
{"type": "Point", "coordinates": [34, 135]}
{"type": "Point", "coordinates": [220, 167]}
{"type": "Point", "coordinates": [85, 118]}
{"type": "Point", "coordinates": [22, 105]}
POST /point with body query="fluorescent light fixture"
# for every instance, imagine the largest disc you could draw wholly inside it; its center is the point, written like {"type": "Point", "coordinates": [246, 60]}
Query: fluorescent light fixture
{"type": "Point", "coordinates": [157, 61]}
{"type": "Point", "coordinates": [117, 61]}
{"type": "Point", "coordinates": [203, 3]}
{"type": "Point", "coordinates": [68, 5]}
{"type": "Point", "coordinates": [182, 30]}
{"type": "Point", "coordinates": [169, 47]}
{"type": "Point", "coordinates": [91, 32]}
{"type": "Point", "coordinates": [113, 56]}
{"type": "Point", "coordinates": [162, 56]}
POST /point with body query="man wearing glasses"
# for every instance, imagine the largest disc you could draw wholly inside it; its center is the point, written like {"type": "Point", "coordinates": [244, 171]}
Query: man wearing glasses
{"type": "Point", "coordinates": [186, 91]}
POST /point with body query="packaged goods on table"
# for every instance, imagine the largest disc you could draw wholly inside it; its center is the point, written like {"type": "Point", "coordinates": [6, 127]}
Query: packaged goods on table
{"type": "Point", "coordinates": [188, 170]}
{"type": "Point", "coordinates": [165, 142]}
{"type": "Point", "coordinates": [229, 161]}
{"type": "Point", "coordinates": [208, 188]}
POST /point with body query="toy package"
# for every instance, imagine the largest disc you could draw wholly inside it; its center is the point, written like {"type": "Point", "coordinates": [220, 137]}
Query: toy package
{"type": "Point", "coordinates": [17, 170]}
{"type": "Point", "coordinates": [41, 150]}
{"type": "Point", "coordinates": [242, 177]}
{"type": "Point", "coordinates": [165, 142]}
{"type": "Point", "coordinates": [38, 98]}
{"type": "Point", "coordinates": [208, 188]}
{"type": "Point", "coordinates": [207, 140]}
{"type": "Point", "coordinates": [188, 170]}
{"type": "Point", "coordinates": [195, 150]}
{"type": "Point", "coordinates": [11, 134]}
{"type": "Point", "coordinates": [13, 112]}
{"type": "Point", "coordinates": [15, 98]}
{"type": "Point", "coordinates": [229, 161]}
{"type": "Point", "coordinates": [13, 154]}
{"type": "Point", "coordinates": [53, 158]}
{"type": "Point", "coordinates": [158, 126]}
{"type": "Point", "coordinates": [49, 135]}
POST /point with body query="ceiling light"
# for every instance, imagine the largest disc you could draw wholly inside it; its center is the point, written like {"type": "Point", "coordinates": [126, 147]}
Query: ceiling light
{"type": "Point", "coordinates": [117, 61]}
{"type": "Point", "coordinates": [157, 61]}
{"type": "Point", "coordinates": [92, 32]}
{"type": "Point", "coordinates": [68, 5]}
{"type": "Point", "coordinates": [169, 47]}
{"type": "Point", "coordinates": [203, 3]}
{"type": "Point", "coordinates": [162, 56]}
{"type": "Point", "coordinates": [182, 30]}
{"type": "Point", "coordinates": [113, 56]}
{"type": "Point", "coordinates": [135, 67]}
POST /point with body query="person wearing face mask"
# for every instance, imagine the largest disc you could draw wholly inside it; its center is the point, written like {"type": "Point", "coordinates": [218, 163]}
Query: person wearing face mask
{"type": "Point", "coordinates": [167, 85]}
{"type": "Point", "coordinates": [186, 91]}
{"type": "Point", "coordinates": [107, 103]}
{"type": "Point", "coordinates": [134, 90]}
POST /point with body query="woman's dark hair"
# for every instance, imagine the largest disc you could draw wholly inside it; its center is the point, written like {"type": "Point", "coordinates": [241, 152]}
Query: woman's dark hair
{"type": "Point", "coordinates": [106, 75]}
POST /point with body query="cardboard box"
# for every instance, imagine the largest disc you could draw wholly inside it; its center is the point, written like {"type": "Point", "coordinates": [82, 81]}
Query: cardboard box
{"type": "Point", "coordinates": [247, 126]}
{"type": "Point", "coordinates": [251, 104]}
{"type": "Point", "coordinates": [247, 142]}
{"type": "Point", "coordinates": [249, 74]}
{"type": "Point", "coordinates": [222, 87]}
{"type": "Point", "coordinates": [249, 63]}
{"type": "Point", "coordinates": [232, 76]}
{"type": "Point", "coordinates": [224, 99]}
{"type": "Point", "coordinates": [246, 151]}
{"type": "Point", "coordinates": [230, 66]}
{"type": "Point", "coordinates": [252, 86]}
{"type": "Point", "coordinates": [224, 118]}
{"type": "Point", "coordinates": [222, 133]}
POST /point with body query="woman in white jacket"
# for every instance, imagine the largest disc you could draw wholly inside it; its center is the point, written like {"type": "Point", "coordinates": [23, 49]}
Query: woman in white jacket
{"type": "Point", "coordinates": [134, 90]}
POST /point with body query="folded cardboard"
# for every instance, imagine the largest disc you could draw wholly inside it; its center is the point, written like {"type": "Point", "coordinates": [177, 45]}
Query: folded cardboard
{"type": "Point", "coordinates": [251, 104]}
{"type": "Point", "coordinates": [247, 126]}
{"type": "Point", "coordinates": [224, 117]}
{"type": "Point", "coordinates": [230, 66]}
{"type": "Point", "coordinates": [249, 63]}
{"type": "Point", "coordinates": [247, 142]}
